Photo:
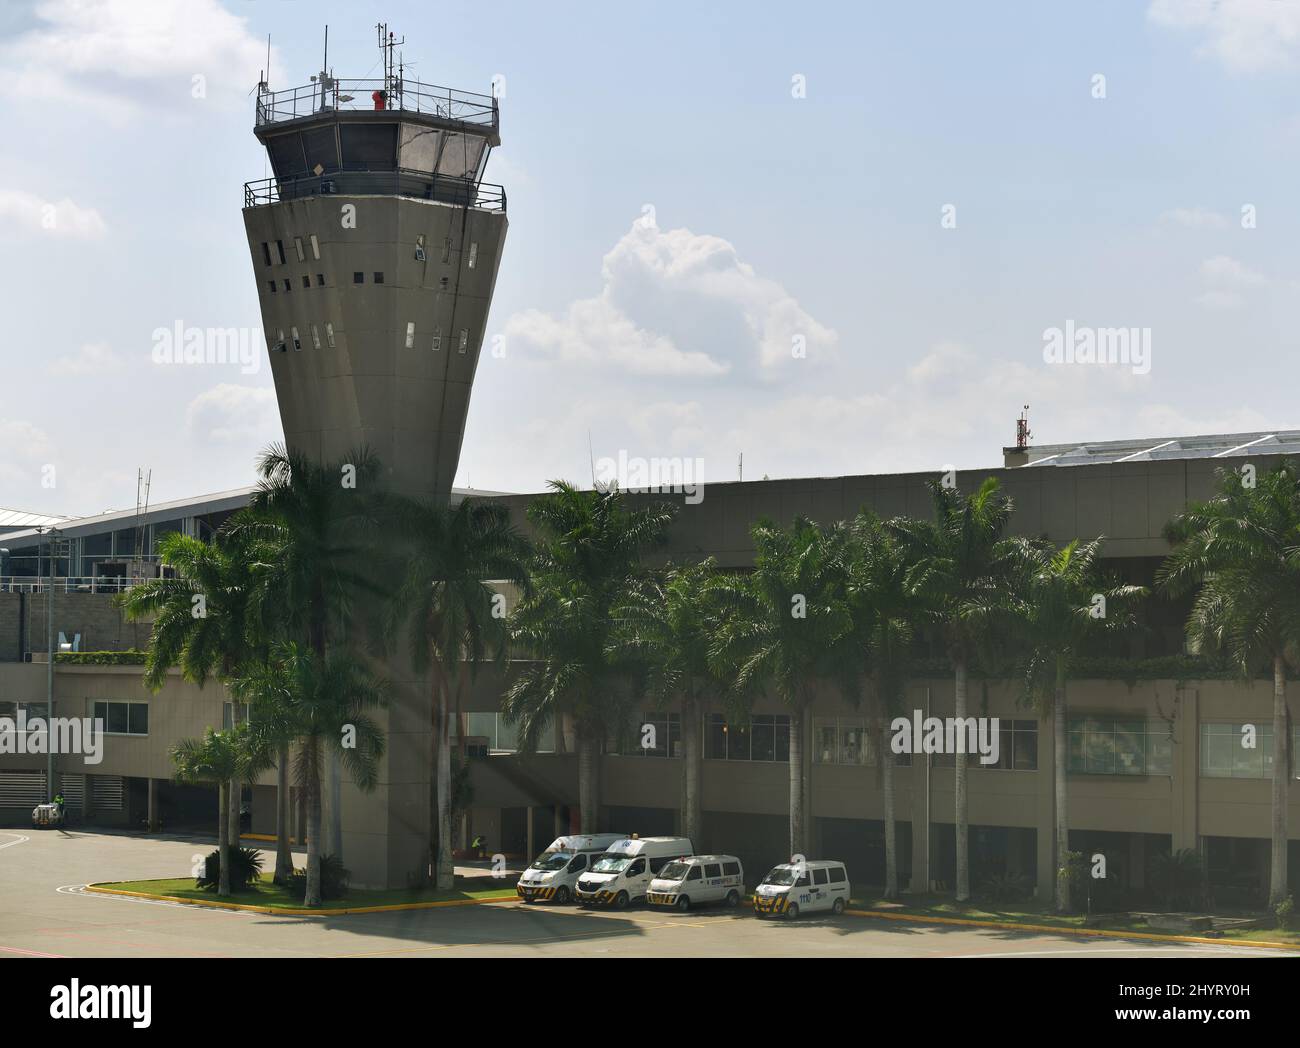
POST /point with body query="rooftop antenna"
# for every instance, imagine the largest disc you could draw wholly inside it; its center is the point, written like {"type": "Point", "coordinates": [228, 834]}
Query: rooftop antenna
{"type": "Point", "coordinates": [143, 481]}
{"type": "Point", "coordinates": [1022, 430]}
{"type": "Point", "coordinates": [591, 454]}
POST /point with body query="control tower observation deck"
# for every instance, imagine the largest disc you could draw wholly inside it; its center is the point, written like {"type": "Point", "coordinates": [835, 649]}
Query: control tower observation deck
{"type": "Point", "coordinates": [375, 245]}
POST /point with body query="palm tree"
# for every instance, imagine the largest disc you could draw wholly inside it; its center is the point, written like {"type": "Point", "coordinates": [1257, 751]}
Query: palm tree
{"type": "Point", "coordinates": [229, 759]}
{"type": "Point", "coordinates": [781, 626]}
{"type": "Point", "coordinates": [1065, 602]}
{"type": "Point", "coordinates": [321, 519]}
{"type": "Point", "coordinates": [666, 628]}
{"type": "Point", "coordinates": [454, 614]}
{"type": "Point", "coordinates": [322, 701]}
{"type": "Point", "coordinates": [885, 616]}
{"type": "Point", "coordinates": [1240, 553]}
{"type": "Point", "coordinates": [587, 559]}
{"type": "Point", "coordinates": [962, 571]}
{"type": "Point", "coordinates": [204, 621]}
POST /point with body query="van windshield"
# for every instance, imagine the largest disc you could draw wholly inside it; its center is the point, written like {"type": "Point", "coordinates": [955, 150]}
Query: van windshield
{"type": "Point", "coordinates": [782, 875]}
{"type": "Point", "coordinates": [674, 871]}
{"type": "Point", "coordinates": [611, 864]}
{"type": "Point", "coordinates": [552, 861]}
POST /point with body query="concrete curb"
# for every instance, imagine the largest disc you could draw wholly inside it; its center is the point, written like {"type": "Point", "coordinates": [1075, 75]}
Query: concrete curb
{"type": "Point", "coordinates": [1102, 933]}
{"type": "Point", "coordinates": [280, 911]}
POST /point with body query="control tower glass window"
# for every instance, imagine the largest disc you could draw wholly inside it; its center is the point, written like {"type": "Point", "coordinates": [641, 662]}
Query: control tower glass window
{"type": "Point", "coordinates": [369, 147]}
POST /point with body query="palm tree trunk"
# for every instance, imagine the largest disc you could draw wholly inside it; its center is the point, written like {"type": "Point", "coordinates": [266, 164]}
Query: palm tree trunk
{"type": "Point", "coordinates": [1277, 889]}
{"type": "Point", "coordinates": [962, 826]}
{"type": "Point", "coordinates": [891, 823]}
{"type": "Point", "coordinates": [236, 794]}
{"type": "Point", "coordinates": [445, 871]}
{"type": "Point", "coordinates": [692, 801]}
{"type": "Point", "coordinates": [312, 895]}
{"type": "Point", "coordinates": [283, 854]}
{"type": "Point", "coordinates": [223, 838]}
{"type": "Point", "coordinates": [1060, 761]}
{"type": "Point", "coordinates": [796, 782]}
{"type": "Point", "coordinates": [588, 779]}
{"type": "Point", "coordinates": [336, 804]}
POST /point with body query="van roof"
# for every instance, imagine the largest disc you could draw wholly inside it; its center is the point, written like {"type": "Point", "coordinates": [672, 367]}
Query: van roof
{"type": "Point", "coordinates": [708, 858]}
{"type": "Point", "coordinates": [811, 864]}
{"type": "Point", "coordinates": [590, 841]}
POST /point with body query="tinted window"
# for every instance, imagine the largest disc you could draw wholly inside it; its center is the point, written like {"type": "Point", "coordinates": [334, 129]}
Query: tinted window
{"type": "Point", "coordinates": [579, 863]}
{"type": "Point", "coordinates": [117, 718]}
{"type": "Point", "coordinates": [694, 875]}
{"type": "Point", "coordinates": [712, 870]}
{"type": "Point", "coordinates": [802, 882]}
{"type": "Point", "coordinates": [636, 868]}
{"type": "Point", "coordinates": [837, 875]}
{"type": "Point", "coordinates": [819, 876]}
{"type": "Point", "coordinates": [731, 869]}
{"type": "Point", "coordinates": [139, 718]}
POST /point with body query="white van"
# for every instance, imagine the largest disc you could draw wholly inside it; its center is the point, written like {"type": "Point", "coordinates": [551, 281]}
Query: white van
{"type": "Point", "coordinates": [623, 874]}
{"type": "Point", "coordinates": [555, 873]}
{"type": "Point", "coordinates": [803, 887]}
{"type": "Point", "coordinates": [698, 879]}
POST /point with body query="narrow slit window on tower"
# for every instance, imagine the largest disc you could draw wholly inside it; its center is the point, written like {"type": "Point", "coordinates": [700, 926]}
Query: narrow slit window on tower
{"type": "Point", "coordinates": [306, 280]}
{"type": "Point", "coordinates": [320, 279]}
{"type": "Point", "coordinates": [464, 339]}
{"type": "Point", "coordinates": [297, 342]}
{"type": "Point", "coordinates": [272, 285]}
{"type": "Point", "coordinates": [446, 249]}
{"type": "Point", "coordinates": [473, 254]}
{"type": "Point", "coordinates": [266, 252]}
{"type": "Point", "coordinates": [379, 278]}
{"type": "Point", "coordinates": [329, 335]}
{"type": "Point", "coordinates": [315, 247]}
{"type": "Point", "coordinates": [410, 334]}
{"type": "Point", "coordinates": [297, 246]}
{"type": "Point", "coordinates": [279, 247]}
{"type": "Point", "coordinates": [288, 284]}
{"type": "Point", "coordinates": [315, 337]}
{"type": "Point", "coordinates": [437, 339]}
{"type": "Point", "coordinates": [279, 342]}
{"type": "Point", "coordinates": [358, 278]}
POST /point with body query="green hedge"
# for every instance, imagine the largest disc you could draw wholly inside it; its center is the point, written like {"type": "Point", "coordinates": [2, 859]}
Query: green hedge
{"type": "Point", "coordinates": [1165, 667]}
{"type": "Point", "coordinates": [130, 657]}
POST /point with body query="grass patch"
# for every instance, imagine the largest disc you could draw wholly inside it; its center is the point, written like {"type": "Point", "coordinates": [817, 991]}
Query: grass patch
{"type": "Point", "coordinates": [1032, 912]}
{"type": "Point", "coordinates": [267, 893]}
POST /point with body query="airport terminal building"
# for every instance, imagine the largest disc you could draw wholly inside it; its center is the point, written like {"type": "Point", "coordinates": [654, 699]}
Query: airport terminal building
{"type": "Point", "coordinates": [1152, 765]}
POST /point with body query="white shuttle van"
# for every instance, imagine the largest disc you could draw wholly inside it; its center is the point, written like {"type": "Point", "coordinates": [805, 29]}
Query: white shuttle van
{"type": "Point", "coordinates": [803, 887]}
{"type": "Point", "coordinates": [623, 874]}
{"type": "Point", "coordinates": [698, 879]}
{"type": "Point", "coordinates": [554, 875]}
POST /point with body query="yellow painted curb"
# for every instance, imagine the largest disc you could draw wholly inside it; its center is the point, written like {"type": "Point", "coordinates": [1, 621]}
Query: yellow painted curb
{"type": "Point", "coordinates": [288, 912]}
{"type": "Point", "coordinates": [270, 837]}
{"type": "Point", "coordinates": [1104, 933]}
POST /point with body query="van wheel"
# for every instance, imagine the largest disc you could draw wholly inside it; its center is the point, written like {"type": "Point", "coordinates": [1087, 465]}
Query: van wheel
{"type": "Point", "coordinates": [733, 898]}
{"type": "Point", "coordinates": [621, 900]}
{"type": "Point", "coordinates": [838, 908]}
{"type": "Point", "coordinates": [683, 903]}
{"type": "Point", "coordinates": [561, 895]}
{"type": "Point", "coordinates": [792, 912]}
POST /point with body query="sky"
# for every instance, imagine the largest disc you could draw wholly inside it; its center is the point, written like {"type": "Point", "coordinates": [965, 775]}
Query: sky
{"type": "Point", "coordinates": [834, 238]}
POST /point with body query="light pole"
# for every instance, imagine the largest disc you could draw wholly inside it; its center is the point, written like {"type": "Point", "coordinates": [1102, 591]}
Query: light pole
{"type": "Point", "coordinates": [50, 535]}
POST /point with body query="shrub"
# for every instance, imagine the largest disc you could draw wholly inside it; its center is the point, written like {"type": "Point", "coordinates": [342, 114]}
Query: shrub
{"type": "Point", "coordinates": [333, 879]}
{"type": "Point", "coordinates": [1006, 887]}
{"type": "Point", "coordinates": [245, 869]}
{"type": "Point", "coordinates": [1283, 912]}
{"type": "Point", "coordinates": [1178, 880]}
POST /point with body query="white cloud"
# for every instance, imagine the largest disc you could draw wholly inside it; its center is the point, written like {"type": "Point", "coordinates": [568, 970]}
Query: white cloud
{"type": "Point", "coordinates": [228, 412]}
{"type": "Point", "coordinates": [27, 449]}
{"type": "Point", "coordinates": [122, 58]}
{"type": "Point", "coordinates": [1245, 36]}
{"type": "Point", "coordinates": [56, 217]}
{"type": "Point", "coordinates": [1227, 279]}
{"type": "Point", "coordinates": [1195, 218]}
{"type": "Point", "coordinates": [679, 304]}
{"type": "Point", "coordinates": [94, 358]}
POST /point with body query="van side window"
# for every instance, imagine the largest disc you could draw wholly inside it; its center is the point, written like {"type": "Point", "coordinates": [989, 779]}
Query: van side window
{"type": "Point", "coordinates": [658, 864]}
{"type": "Point", "coordinates": [802, 882]}
{"type": "Point", "coordinates": [819, 876]}
{"type": "Point", "coordinates": [731, 869]}
{"type": "Point", "coordinates": [579, 863]}
{"type": "Point", "coordinates": [695, 874]}
{"type": "Point", "coordinates": [637, 868]}
{"type": "Point", "coordinates": [837, 875]}
{"type": "Point", "coordinates": [713, 869]}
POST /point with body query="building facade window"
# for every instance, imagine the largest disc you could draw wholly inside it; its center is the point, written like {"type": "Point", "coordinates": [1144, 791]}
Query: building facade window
{"type": "Point", "coordinates": [266, 252]}
{"type": "Point", "coordinates": [1017, 749]}
{"type": "Point", "coordinates": [1119, 746]}
{"type": "Point", "coordinates": [410, 333]}
{"type": "Point", "coordinates": [849, 740]}
{"type": "Point", "coordinates": [122, 718]}
{"type": "Point", "coordinates": [663, 730]}
{"type": "Point", "coordinates": [487, 733]}
{"type": "Point", "coordinates": [297, 247]}
{"type": "Point", "coordinates": [473, 254]}
{"type": "Point", "coordinates": [1225, 753]}
{"type": "Point", "coordinates": [329, 335]}
{"type": "Point", "coordinates": [766, 737]}
{"type": "Point", "coordinates": [315, 247]}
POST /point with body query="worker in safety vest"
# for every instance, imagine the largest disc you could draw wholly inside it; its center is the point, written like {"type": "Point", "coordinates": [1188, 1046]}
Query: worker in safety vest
{"type": "Point", "coordinates": [59, 803]}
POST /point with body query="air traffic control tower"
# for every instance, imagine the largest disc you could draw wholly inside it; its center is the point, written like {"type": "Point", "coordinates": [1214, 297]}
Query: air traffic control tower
{"type": "Point", "coordinates": [375, 246]}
